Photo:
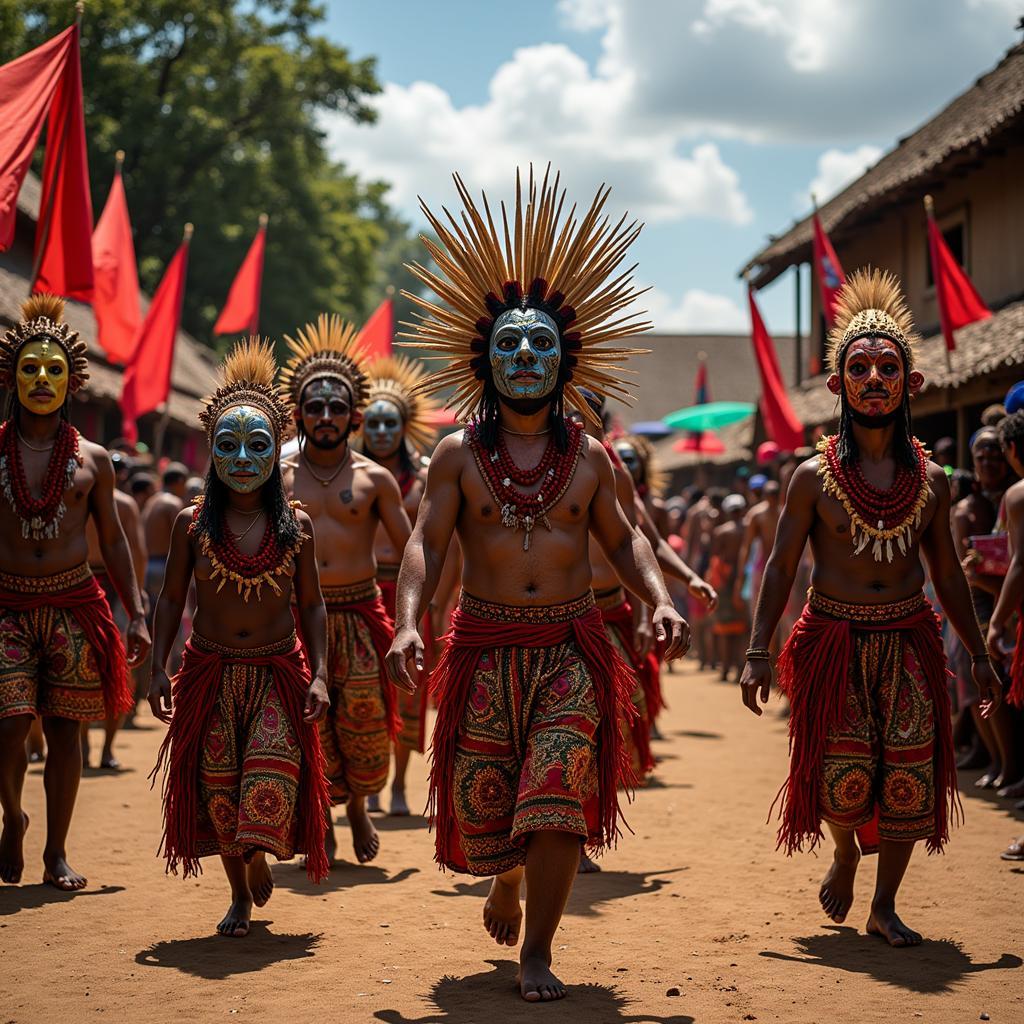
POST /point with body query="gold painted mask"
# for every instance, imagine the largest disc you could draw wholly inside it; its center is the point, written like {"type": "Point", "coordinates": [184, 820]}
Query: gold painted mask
{"type": "Point", "coordinates": [42, 376]}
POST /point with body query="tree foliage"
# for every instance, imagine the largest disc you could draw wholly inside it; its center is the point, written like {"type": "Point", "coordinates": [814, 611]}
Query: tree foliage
{"type": "Point", "coordinates": [218, 107]}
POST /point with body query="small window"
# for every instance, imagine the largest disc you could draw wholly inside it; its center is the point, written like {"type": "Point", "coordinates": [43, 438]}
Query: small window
{"type": "Point", "coordinates": [954, 235]}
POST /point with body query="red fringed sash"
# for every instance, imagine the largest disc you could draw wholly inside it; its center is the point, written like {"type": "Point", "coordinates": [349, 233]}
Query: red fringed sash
{"type": "Point", "coordinates": [1016, 695]}
{"type": "Point", "coordinates": [194, 698]}
{"type": "Point", "coordinates": [389, 595]}
{"type": "Point", "coordinates": [814, 670]}
{"type": "Point", "coordinates": [382, 632]}
{"type": "Point", "coordinates": [87, 602]}
{"type": "Point", "coordinates": [469, 637]}
{"type": "Point", "coordinates": [620, 618]}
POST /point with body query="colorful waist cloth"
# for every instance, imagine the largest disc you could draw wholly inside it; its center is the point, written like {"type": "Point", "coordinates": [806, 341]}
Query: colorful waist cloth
{"type": "Point", "coordinates": [871, 745]}
{"type": "Point", "coordinates": [526, 736]}
{"type": "Point", "coordinates": [412, 707]}
{"type": "Point", "coordinates": [232, 783]}
{"type": "Point", "coordinates": [48, 654]}
{"type": "Point", "coordinates": [1016, 696]}
{"type": "Point", "coordinates": [617, 613]}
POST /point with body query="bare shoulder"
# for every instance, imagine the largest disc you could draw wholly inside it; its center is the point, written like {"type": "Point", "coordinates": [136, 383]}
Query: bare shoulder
{"type": "Point", "coordinates": [1015, 496]}
{"type": "Point", "coordinates": [937, 479]}
{"type": "Point", "coordinates": [94, 453]}
{"type": "Point", "coordinates": [805, 483]}
{"type": "Point", "coordinates": [304, 521]}
{"type": "Point", "coordinates": [380, 475]}
{"type": "Point", "coordinates": [449, 455]}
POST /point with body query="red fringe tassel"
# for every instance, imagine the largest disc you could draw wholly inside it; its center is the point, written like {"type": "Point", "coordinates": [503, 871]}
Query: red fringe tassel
{"type": "Point", "coordinates": [470, 635]}
{"type": "Point", "coordinates": [89, 605]}
{"type": "Point", "coordinates": [814, 670]}
{"type": "Point", "coordinates": [1016, 695]}
{"type": "Point", "coordinates": [194, 696]}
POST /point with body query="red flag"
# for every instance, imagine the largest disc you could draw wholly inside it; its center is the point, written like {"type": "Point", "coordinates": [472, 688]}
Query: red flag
{"type": "Point", "coordinates": [115, 300]}
{"type": "Point", "coordinates": [27, 86]}
{"type": "Point", "coordinates": [378, 331]}
{"type": "Point", "coordinates": [828, 271]}
{"type": "Point", "coordinates": [959, 302]}
{"type": "Point", "coordinates": [147, 377]}
{"type": "Point", "coordinates": [781, 422]}
{"type": "Point", "coordinates": [241, 312]}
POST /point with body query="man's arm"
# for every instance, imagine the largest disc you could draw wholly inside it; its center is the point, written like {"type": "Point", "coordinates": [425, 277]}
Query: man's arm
{"type": "Point", "coordinates": [390, 508]}
{"type": "Point", "coordinates": [424, 557]}
{"type": "Point", "coordinates": [116, 554]}
{"type": "Point", "coordinates": [313, 618]}
{"type": "Point", "coordinates": [953, 592]}
{"type": "Point", "coordinates": [632, 557]}
{"type": "Point", "coordinates": [1011, 597]}
{"type": "Point", "coordinates": [167, 618]}
{"type": "Point", "coordinates": [131, 523]}
{"type": "Point", "coordinates": [779, 572]}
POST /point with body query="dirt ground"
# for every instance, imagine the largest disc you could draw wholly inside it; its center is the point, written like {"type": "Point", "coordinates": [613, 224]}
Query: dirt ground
{"type": "Point", "coordinates": [695, 918]}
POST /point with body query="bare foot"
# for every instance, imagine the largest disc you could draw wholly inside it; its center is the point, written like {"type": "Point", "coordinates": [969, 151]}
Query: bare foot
{"type": "Point", "coordinates": [836, 893]}
{"type": "Point", "coordinates": [12, 857]}
{"type": "Point", "coordinates": [365, 840]}
{"type": "Point", "coordinates": [587, 866]}
{"type": "Point", "coordinates": [58, 873]}
{"type": "Point", "coordinates": [235, 923]}
{"type": "Point", "coordinates": [988, 780]}
{"type": "Point", "coordinates": [399, 805]}
{"type": "Point", "coordinates": [260, 879]}
{"type": "Point", "coordinates": [373, 804]}
{"type": "Point", "coordinates": [109, 763]}
{"type": "Point", "coordinates": [502, 914]}
{"type": "Point", "coordinates": [884, 922]}
{"type": "Point", "coordinates": [537, 984]}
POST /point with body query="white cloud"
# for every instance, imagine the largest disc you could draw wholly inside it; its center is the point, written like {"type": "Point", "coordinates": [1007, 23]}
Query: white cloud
{"type": "Point", "coordinates": [836, 169]}
{"type": "Point", "coordinates": [543, 105]}
{"type": "Point", "coordinates": [696, 312]}
{"type": "Point", "coordinates": [584, 15]}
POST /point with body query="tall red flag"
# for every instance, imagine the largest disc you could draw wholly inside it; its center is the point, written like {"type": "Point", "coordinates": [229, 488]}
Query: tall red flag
{"type": "Point", "coordinates": [147, 377]}
{"type": "Point", "coordinates": [780, 420]}
{"type": "Point", "coordinates": [378, 332]}
{"type": "Point", "coordinates": [241, 312]}
{"type": "Point", "coordinates": [959, 301]}
{"type": "Point", "coordinates": [27, 86]}
{"type": "Point", "coordinates": [63, 250]}
{"type": "Point", "coordinates": [115, 300]}
{"type": "Point", "coordinates": [828, 271]}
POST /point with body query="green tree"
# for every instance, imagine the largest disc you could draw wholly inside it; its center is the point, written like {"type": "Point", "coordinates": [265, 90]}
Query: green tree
{"type": "Point", "coordinates": [218, 108]}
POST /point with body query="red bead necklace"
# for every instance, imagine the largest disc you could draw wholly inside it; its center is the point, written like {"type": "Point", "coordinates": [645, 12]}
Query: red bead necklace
{"type": "Point", "coordinates": [554, 472]}
{"type": "Point", "coordinates": [40, 517]}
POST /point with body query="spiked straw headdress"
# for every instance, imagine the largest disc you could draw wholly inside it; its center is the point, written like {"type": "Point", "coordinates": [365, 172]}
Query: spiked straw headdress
{"type": "Point", "coordinates": [249, 372]}
{"type": "Point", "coordinates": [397, 379]}
{"type": "Point", "coordinates": [42, 316]}
{"type": "Point", "coordinates": [871, 303]}
{"type": "Point", "coordinates": [329, 348]}
{"type": "Point", "coordinates": [567, 266]}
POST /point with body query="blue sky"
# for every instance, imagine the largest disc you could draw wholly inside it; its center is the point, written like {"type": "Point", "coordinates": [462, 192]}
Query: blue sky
{"type": "Point", "coordinates": [710, 119]}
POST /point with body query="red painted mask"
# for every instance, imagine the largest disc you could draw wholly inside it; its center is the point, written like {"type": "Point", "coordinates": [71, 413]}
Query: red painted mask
{"type": "Point", "coordinates": [873, 376]}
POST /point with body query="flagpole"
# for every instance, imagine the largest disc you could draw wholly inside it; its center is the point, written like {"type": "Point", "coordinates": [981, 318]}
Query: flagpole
{"type": "Point", "coordinates": [929, 209]}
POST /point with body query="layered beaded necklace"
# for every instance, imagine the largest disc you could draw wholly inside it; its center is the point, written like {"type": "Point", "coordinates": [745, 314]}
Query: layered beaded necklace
{"type": "Point", "coordinates": [247, 572]}
{"type": "Point", "coordinates": [40, 517]}
{"type": "Point", "coordinates": [877, 517]}
{"type": "Point", "coordinates": [554, 473]}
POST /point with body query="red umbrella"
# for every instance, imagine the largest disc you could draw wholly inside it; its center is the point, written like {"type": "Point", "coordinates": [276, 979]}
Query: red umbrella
{"type": "Point", "coordinates": [705, 443]}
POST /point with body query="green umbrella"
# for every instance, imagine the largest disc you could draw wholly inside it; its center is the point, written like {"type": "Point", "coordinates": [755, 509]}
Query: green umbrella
{"type": "Point", "coordinates": [710, 416]}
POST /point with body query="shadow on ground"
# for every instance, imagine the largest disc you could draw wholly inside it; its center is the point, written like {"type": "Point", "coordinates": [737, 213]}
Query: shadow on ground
{"type": "Point", "coordinates": [215, 957]}
{"type": "Point", "coordinates": [343, 875]}
{"type": "Point", "coordinates": [493, 993]}
{"type": "Point", "coordinates": [590, 892]}
{"type": "Point", "coordinates": [399, 823]}
{"type": "Point", "coordinates": [697, 734]}
{"type": "Point", "coordinates": [936, 966]}
{"type": "Point", "coordinates": [28, 897]}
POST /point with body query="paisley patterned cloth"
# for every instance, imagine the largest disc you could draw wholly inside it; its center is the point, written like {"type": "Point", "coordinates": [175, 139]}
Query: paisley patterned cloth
{"type": "Point", "coordinates": [870, 736]}
{"type": "Point", "coordinates": [363, 719]}
{"type": "Point", "coordinates": [61, 653]}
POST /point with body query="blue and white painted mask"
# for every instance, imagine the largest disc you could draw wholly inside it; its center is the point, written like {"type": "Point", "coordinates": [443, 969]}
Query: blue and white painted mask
{"type": "Point", "coordinates": [244, 448]}
{"type": "Point", "coordinates": [382, 428]}
{"type": "Point", "coordinates": [525, 352]}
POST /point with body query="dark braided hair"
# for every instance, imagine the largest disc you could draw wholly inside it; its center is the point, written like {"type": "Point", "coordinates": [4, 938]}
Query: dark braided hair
{"type": "Point", "coordinates": [904, 451]}
{"type": "Point", "coordinates": [210, 521]}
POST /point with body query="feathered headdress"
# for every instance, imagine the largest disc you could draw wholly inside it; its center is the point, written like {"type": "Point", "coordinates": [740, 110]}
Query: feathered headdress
{"type": "Point", "coordinates": [248, 373]}
{"type": "Point", "coordinates": [871, 303]}
{"type": "Point", "coordinates": [329, 348]}
{"type": "Point", "coordinates": [564, 265]}
{"type": "Point", "coordinates": [654, 476]}
{"type": "Point", "coordinates": [42, 316]}
{"type": "Point", "coordinates": [396, 379]}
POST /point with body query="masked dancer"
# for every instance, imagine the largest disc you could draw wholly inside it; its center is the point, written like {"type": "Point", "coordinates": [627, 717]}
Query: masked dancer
{"type": "Point", "coordinates": [870, 737]}
{"type": "Point", "coordinates": [243, 769]}
{"type": "Point", "coordinates": [526, 751]}
{"type": "Point", "coordinates": [62, 656]}
{"type": "Point", "coordinates": [347, 496]}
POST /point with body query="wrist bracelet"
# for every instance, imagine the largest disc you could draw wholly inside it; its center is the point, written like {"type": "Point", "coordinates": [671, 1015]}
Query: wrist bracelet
{"type": "Point", "coordinates": [977, 659]}
{"type": "Point", "coordinates": [759, 654]}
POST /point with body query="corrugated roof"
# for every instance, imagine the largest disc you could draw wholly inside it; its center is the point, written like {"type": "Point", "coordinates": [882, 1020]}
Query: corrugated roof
{"type": "Point", "coordinates": [982, 116]}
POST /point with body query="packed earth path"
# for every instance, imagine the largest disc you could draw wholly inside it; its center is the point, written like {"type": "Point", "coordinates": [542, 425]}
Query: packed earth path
{"type": "Point", "coordinates": [694, 918]}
